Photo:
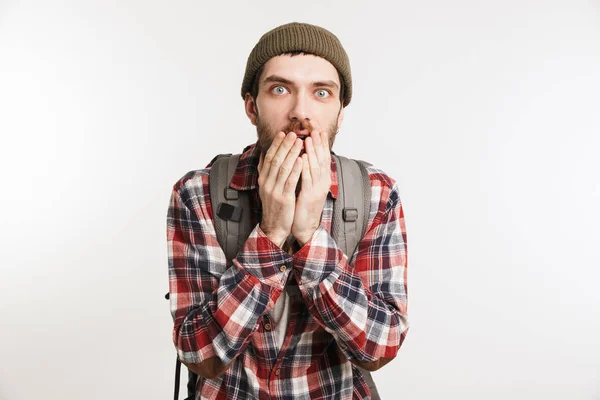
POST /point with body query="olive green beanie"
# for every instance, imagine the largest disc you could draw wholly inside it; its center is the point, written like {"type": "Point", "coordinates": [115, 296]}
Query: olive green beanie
{"type": "Point", "coordinates": [296, 36]}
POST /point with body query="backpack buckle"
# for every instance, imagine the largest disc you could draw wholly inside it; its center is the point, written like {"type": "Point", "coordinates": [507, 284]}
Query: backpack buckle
{"type": "Point", "coordinates": [350, 214]}
{"type": "Point", "coordinates": [229, 212]}
{"type": "Point", "coordinates": [231, 194]}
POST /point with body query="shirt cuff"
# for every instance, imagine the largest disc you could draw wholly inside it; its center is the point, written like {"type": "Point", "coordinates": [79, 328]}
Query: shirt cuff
{"type": "Point", "coordinates": [317, 259]}
{"type": "Point", "coordinates": [264, 260]}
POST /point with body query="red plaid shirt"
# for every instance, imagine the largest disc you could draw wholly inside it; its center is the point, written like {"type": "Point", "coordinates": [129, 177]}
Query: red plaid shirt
{"type": "Point", "coordinates": [352, 311]}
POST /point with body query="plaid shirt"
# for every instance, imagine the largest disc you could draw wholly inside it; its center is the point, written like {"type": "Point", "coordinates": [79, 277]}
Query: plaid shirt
{"type": "Point", "coordinates": [352, 311]}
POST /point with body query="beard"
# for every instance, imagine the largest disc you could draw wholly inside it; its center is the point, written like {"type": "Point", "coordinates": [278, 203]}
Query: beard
{"type": "Point", "coordinates": [266, 133]}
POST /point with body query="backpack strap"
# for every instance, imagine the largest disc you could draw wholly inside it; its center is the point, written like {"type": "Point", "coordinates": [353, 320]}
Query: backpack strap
{"type": "Point", "coordinates": [232, 227]}
{"type": "Point", "coordinates": [228, 209]}
{"type": "Point", "coordinates": [231, 208]}
{"type": "Point", "coordinates": [366, 187]}
{"type": "Point", "coordinates": [191, 385]}
{"type": "Point", "coordinates": [350, 218]}
{"type": "Point", "coordinates": [370, 383]}
{"type": "Point", "coordinates": [352, 207]}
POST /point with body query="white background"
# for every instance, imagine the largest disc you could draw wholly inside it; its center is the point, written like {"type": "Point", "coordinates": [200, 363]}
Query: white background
{"type": "Point", "coordinates": [486, 113]}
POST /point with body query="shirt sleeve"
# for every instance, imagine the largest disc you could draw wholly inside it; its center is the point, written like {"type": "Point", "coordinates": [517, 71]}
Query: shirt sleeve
{"type": "Point", "coordinates": [215, 306]}
{"type": "Point", "coordinates": [363, 305]}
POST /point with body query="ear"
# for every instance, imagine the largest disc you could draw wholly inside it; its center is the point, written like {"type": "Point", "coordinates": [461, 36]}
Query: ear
{"type": "Point", "coordinates": [250, 108]}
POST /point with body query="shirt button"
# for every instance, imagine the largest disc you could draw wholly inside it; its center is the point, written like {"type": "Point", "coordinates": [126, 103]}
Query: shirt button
{"type": "Point", "coordinates": [282, 268]}
{"type": "Point", "coordinates": [267, 327]}
{"type": "Point", "coordinates": [277, 371]}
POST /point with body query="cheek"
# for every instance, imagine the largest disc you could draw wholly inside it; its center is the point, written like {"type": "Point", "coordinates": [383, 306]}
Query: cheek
{"type": "Point", "coordinates": [326, 121]}
{"type": "Point", "coordinates": [275, 115]}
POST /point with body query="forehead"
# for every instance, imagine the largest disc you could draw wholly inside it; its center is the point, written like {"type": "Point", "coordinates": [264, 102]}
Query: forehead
{"type": "Point", "coordinates": [301, 68]}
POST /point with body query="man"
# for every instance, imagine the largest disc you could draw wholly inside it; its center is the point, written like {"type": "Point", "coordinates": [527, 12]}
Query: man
{"type": "Point", "coordinates": [290, 317]}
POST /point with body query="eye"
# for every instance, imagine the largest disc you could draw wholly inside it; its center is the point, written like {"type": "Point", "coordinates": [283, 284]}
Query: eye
{"type": "Point", "coordinates": [278, 89]}
{"type": "Point", "coordinates": [323, 94]}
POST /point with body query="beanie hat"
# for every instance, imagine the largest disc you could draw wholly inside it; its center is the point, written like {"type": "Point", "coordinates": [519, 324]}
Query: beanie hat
{"type": "Point", "coordinates": [296, 36]}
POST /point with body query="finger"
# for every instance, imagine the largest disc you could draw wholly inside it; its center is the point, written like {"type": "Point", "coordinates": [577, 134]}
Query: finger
{"type": "Point", "coordinates": [316, 141]}
{"type": "Point", "coordinates": [270, 153]}
{"type": "Point", "coordinates": [316, 137]}
{"type": "Point", "coordinates": [292, 180]}
{"type": "Point", "coordinates": [326, 150]}
{"type": "Point", "coordinates": [306, 176]}
{"type": "Point", "coordinates": [260, 162]}
{"type": "Point", "coordinates": [278, 158]}
{"type": "Point", "coordinates": [286, 168]}
{"type": "Point", "coordinates": [325, 141]}
{"type": "Point", "coordinates": [313, 161]}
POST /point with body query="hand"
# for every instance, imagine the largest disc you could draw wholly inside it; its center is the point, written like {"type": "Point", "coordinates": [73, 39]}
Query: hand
{"type": "Point", "coordinates": [316, 181]}
{"type": "Point", "coordinates": [278, 174]}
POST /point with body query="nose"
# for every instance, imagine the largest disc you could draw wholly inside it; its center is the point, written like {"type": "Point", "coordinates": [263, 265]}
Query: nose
{"type": "Point", "coordinates": [300, 107]}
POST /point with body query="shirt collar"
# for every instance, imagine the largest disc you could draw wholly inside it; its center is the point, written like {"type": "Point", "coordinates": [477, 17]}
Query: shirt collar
{"type": "Point", "coordinates": [245, 176]}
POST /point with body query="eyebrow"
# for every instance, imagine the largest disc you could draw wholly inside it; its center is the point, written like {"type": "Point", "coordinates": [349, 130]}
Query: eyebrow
{"type": "Point", "coordinates": [279, 79]}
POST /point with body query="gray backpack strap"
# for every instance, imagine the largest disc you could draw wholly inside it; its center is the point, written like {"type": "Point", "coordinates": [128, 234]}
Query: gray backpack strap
{"type": "Point", "coordinates": [231, 208]}
{"type": "Point", "coordinates": [350, 218]}
{"type": "Point", "coordinates": [366, 187]}
{"type": "Point", "coordinates": [370, 383]}
{"type": "Point", "coordinates": [354, 196]}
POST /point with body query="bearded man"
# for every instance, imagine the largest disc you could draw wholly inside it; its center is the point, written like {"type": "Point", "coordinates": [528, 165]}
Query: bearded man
{"type": "Point", "coordinates": [291, 316]}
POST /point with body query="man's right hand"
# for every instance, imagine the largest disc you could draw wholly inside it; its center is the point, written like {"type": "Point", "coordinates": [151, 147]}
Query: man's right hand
{"type": "Point", "coordinates": [278, 173]}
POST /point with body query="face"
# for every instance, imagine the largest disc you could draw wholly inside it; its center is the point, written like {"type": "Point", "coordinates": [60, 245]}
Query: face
{"type": "Point", "coordinates": [296, 93]}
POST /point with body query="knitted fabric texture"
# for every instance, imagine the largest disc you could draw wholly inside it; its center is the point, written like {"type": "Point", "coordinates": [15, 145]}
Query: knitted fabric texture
{"type": "Point", "coordinates": [296, 36]}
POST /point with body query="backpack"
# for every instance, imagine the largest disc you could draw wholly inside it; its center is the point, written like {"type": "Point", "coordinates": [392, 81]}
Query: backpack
{"type": "Point", "coordinates": [350, 217]}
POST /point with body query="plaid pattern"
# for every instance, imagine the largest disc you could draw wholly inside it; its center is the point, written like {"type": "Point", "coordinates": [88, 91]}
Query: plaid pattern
{"type": "Point", "coordinates": [350, 312]}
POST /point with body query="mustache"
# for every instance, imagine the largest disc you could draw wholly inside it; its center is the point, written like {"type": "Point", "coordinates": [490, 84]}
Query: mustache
{"type": "Point", "coordinates": [298, 126]}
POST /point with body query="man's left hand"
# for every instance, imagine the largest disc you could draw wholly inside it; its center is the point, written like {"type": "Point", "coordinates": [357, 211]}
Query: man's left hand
{"type": "Point", "coordinates": [316, 181]}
